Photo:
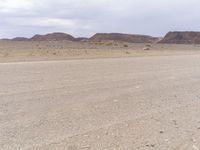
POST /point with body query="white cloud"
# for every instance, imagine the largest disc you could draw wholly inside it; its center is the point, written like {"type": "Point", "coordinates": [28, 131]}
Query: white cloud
{"type": "Point", "coordinates": [9, 6]}
{"type": "Point", "coordinates": [55, 22]}
{"type": "Point", "coordinates": [85, 17]}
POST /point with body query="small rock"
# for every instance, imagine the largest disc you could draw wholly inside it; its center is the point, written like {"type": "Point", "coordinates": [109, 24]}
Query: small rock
{"type": "Point", "coordinates": [146, 48]}
{"type": "Point", "coordinates": [106, 133]}
{"type": "Point", "coordinates": [161, 132]}
{"type": "Point", "coordinates": [194, 140]}
{"type": "Point", "coordinates": [195, 147]}
{"type": "Point", "coordinates": [86, 147]}
{"type": "Point", "coordinates": [166, 140]}
{"type": "Point", "coordinates": [175, 122]}
{"type": "Point", "coordinates": [115, 100]}
{"type": "Point", "coordinates": [152, 145]}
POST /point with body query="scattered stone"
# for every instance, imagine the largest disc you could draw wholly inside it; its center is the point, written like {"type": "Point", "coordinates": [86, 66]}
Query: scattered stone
{"type": "Point", "coordinates": [194, 140]}
{"type": "Point", "coordinates": [166, 140]}
{"type": "Point", "coordinates": [161, 132]}
{"type": "Point", "coordinates": [146, 48]}
{"type": "Point", "coordinates": [86, 147]}
{"type": "Point", "coordinates": [115, 100]}
{"type": "Point", "coordinates": [195, 147]}
{"type": "Point", "coordinates": [150, 145]}
{"type": "Point", "coordinates": [153, 145]}
{"type": "Point", "coordinates": [175, 122]}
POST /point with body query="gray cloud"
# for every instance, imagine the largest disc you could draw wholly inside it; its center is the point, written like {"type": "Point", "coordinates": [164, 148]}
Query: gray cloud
{"type": "Point", "coordinates": [86, 17]}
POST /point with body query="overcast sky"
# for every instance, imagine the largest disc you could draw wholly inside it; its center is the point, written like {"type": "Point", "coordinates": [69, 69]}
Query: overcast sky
{"type": "Point", "coordinates": [86, 17]}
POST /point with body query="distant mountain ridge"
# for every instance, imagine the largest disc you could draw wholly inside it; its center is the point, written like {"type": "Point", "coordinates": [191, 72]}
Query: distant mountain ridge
{"type": "Point", "coordinates": [176, 37]}
{"type": "Point", "coordinates": [58, 36]}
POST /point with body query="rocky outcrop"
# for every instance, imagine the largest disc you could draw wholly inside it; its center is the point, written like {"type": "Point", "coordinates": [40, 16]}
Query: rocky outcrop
{"type": "Point", "coordinates": [131, 38]}
{"type": "Point", "coordinates": [181, 38]}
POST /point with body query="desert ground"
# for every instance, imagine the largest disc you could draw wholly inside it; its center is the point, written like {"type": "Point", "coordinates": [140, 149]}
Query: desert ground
{"type": "Point", "coordinates": [61, 50]}
{"type": "Point", "coordinates": [139, 100]}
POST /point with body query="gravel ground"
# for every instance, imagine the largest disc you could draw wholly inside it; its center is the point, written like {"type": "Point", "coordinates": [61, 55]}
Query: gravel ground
{"type": "Point", "coordinates": [138, 103]}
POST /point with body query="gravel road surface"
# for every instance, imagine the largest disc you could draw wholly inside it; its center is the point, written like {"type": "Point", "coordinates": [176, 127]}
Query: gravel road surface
{"type": "Point", "coordinates": [140, 103]}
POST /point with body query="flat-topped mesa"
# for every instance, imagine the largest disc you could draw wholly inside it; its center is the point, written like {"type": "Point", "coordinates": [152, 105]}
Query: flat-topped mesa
{"type": "Point", "coordinates": [53, 37]}
{"type": "Point", "coordinates": [130, 38]}
{"type": "Point", "coordinates": [188, 37]}
{"type": "Point", "coordinates": [20, 39]}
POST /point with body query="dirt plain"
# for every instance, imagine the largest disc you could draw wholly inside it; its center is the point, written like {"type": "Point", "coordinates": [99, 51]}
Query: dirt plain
{"type": "Point", "coordinates": [146, 102]}
{"type": "Point", "coordinates": [61, 50]}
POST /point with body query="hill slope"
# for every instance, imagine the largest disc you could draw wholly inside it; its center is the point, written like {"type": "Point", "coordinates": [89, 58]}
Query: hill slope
{"type": "Point", "coordinates": [52, 36]}
{"type": "Point", "coordinates": [123, 37]}
{"type": "Point", "coordinates": [181, 38]}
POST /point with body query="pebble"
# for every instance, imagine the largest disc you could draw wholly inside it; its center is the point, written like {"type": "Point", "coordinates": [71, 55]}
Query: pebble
{"type": "Point", "coordinates": [115, 100]}
{"type": "Point", "coordinates": [161, 132]}
{"type": "Point", "coordinates": [86, 146]}
{"type": "Point", "coordinates": [195, 147]}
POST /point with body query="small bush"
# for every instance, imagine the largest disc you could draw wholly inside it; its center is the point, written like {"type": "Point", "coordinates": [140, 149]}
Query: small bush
{"type": "Point", "coordinates": [109, 44]}
{"type": "Point", "coordinates": [125, 45]}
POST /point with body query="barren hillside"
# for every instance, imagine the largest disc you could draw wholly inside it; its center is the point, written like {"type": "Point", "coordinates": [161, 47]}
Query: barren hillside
{"type": "Point", "coordinates": [52, 36]}
{"type": "Point", "coordinates": [123, 37]}
{"type": "Point", "coordinates": [182, 38]}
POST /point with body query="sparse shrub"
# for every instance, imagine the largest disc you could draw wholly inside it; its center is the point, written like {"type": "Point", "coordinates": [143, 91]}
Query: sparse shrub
{"type": "Point", "coordinates": [108, 44]}
{"type": "Point", "coordinates": [125, 45]}
{"type": "Point", "coordinates": [127, 52]}
{"type": "Point", "coordinates": [148, 45]}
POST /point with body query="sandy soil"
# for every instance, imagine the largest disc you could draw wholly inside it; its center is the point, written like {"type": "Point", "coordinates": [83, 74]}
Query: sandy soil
{"type": "Point", "coordinates": [61, 50]}
{"type": "Point", "coordinates": [138, 103]}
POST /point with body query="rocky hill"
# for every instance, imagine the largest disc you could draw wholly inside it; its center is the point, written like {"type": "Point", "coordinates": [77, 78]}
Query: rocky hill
{"type": "Point", "coordinates": [181, 38]}
{"type": "Point", "coordinates": [131, 38]}
{"type": "Point", "coordinates": [52, 37]}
